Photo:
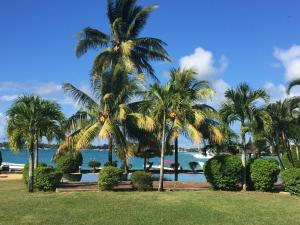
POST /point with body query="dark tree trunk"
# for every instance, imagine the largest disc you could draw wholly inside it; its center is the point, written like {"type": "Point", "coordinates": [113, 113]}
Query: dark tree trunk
{"type": "Point", "coordinates": [145, 161]}
{"type": "Point", "coordinates": [279, 158]}
{"type": "Point", "coordinates": [176, 159]}
{"type": "Point", "coordinates": [162, 156]}
{"type": "Point", "coordinates": [30, 171]}
{"type": "Point", "coordinates": [110, 146]}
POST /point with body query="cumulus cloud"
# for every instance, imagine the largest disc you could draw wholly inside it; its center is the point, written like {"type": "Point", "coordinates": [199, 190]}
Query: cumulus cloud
{"type": "Point", "coordinates": [203, 62]}
{"type": "Point", "coordinates": [208, 68]}
{"type": "Point", "coordinates": [290, 60]}
{"type": "Point", "coordinates": [278, 92]}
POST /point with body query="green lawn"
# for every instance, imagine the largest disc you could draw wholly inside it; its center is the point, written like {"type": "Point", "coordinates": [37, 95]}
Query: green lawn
{"type": "Point", "coordinates": [182, 208]}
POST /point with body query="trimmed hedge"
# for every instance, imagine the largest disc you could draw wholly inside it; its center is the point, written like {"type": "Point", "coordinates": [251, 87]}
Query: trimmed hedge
{"type": "Point", "coordinates": [45, 178]}
{"type": "Point", "coordinates": [223, 172]}
{"type": "Point", "coordinates": [69, 162]}
{"type": "Point", "coordinates": [109, 177]}
{"type": "Point", "coordinates": [72, 176]}
{"type": "Point", "coordinates": [142, 181]}
{"type": "Point", "coordinates": [114, 164]}
{"type": "Point", "coordinates": [263, 174]}
{"type": "Point", "coordinates": [291, 180]}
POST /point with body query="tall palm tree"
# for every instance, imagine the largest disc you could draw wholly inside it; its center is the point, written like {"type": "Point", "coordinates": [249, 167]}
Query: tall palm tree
{"type": "Point", "coordinates": [26, 117]}
{"type": "Point", "coordinates": [190, 113]}
{"type": "Point", "coordinates": [158, 105]}
{"type": "Point", "coordinates": [292, 84]}
{"type": "Point", "coordinates": [123, 44]}
{"type": "Point", "coordinates": [241, 106]}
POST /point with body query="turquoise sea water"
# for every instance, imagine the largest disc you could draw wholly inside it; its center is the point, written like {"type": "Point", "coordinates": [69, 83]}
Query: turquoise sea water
{"type": "Point", "coordinates": [137, 163]}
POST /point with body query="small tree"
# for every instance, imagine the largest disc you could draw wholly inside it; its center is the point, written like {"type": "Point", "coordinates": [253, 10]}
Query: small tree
{"type": "Point", "coordinates": [94, 164]}
{"type": "Point", "coordinates": [193, 166]}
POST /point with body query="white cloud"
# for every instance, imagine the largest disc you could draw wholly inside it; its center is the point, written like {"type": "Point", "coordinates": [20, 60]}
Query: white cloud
{"type": "Point", "coordinates": [290, 59]}
{"type": "Point", "coordinates": [278, 92]}
{"type": "Point", "coordinates": [8, 97]}
{"type": "Point", "coordinates": [3, 123]}
{"type": "Point", "coordinates": [203, 62]}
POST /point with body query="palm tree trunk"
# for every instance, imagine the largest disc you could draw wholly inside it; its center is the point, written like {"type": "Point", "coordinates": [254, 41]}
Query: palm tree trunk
{"type": "Point", "coordinates": [110, 150]}
{"type": "Point", "coordinates": [297, 152]}
{"type": "Point", "coordinates": [145, 161]}
{"type": "Point", "coordinates": [244, 159]}
{"type": "Point", "coordinates": [279, 158]}
{"type": "Point", "coordinates": [176, 159]}
{"type": "Point", "coordinates": [30, 171]}
{"type": "Point", "coordinates": [162, 156]}
{"type": "Point", "coordinates": [36, 154]}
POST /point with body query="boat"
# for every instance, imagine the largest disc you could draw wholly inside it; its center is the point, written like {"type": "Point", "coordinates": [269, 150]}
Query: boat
{"type": "Point", "coordinates": [208, 155]}
{"type": "Point", "coordinates": [13, 166]}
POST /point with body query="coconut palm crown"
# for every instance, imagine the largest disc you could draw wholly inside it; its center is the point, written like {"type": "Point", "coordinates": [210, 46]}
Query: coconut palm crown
{"type": "Point", "coordinates": [123, 44]}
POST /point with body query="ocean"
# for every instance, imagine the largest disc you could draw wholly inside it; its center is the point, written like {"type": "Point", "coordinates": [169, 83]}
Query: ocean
{"type": "Point", "coordinates": [45, 155]}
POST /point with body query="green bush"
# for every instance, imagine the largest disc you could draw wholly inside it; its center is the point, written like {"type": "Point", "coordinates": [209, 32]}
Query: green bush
{"type": "Point", "coordinates": [142, 181]}
{"type": "Point", "coordinates": [72, 176]}
{"type": "Point", "coordinates": [45, 178]}
{"type": "Point", "coordinates": [69, 162]}
{"type": "Point", "coordinates": [193, 165]}
{"type": "Point", "coordinates": [223, 172]}
{"type": "Point", "coordinates": [291, 180]}
{"type": "Point", "coordinates": [263, 174]}
{"type": "Point", "coordinates": [114, 164]}
{"type": "Point", "coordinates": [94, 164]}
{"type": "Point", "coordinates": [109, 177]}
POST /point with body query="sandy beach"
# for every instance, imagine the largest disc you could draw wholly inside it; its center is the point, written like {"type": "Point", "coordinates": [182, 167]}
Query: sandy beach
{"type": "Point", "coordinates": [11, 176]}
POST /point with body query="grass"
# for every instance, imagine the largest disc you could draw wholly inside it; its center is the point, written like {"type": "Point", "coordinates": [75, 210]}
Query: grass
{"type": "Point", "coordinates": [174, 208]}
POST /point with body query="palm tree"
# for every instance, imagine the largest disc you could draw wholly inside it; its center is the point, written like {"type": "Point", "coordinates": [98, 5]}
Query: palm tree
{"type": "Point", "coordinates": [158, 105]}
{"type": "Point", "coordinates": [292, 84]}
{"type": "Point", "coordinates": [26, 118]}
{"type": "Point", "coordinates": [282, 126]}
{"type": "Point", "coordinates": [123, 45]}
{"type": "Point", "coordinates": [104, 113]}
{"type": "Point", "coordinates": [190, 115]}
{"type": "Point", "coordinates": [241, 106]}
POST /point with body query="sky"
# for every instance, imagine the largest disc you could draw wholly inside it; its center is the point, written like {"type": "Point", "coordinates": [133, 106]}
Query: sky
{"type": "Point", "coordinates": [226, 41]}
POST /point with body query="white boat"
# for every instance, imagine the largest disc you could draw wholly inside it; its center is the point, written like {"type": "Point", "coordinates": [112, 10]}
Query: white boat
{"type": "Point", "coordinates": [13, 166]}
{"type": "Point", "coordinates": [202, 156]}
{"type": "Point", "coordinates": [158, 167]}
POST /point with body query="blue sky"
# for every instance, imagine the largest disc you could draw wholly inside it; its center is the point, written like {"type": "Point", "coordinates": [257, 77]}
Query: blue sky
{"type": "Point", "coordinates": [228, 42]}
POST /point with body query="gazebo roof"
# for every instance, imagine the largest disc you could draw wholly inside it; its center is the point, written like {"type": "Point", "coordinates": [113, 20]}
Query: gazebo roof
{"type": "Point", "coordinates": [250, 147]}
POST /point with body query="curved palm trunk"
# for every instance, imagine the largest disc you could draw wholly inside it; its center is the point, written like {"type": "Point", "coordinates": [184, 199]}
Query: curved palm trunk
{"type": "Point", "coordinates": [297, 152]}
{"type": "Point", "coordinates": [162, 156]}
{"type": "Point", "coordinates": [244, 159]}
{"type": "Point", "coordinates": [176, 159]}
{"type": "Point", "coordinates": [110, 150]}
{"type": "Point", "coordinates": [279, 158]}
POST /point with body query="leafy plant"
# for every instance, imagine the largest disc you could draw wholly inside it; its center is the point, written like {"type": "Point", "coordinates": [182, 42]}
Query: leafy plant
{"type": "Point", "coordinates": [263, 173]}
{"type": "Point", "coordinates": [94, 164]}
{"type": "Point", "coordinates": [193, 166]}
{"type": "Point", "coordinates": [109, 177]}
{"type": "Point", "coordinates": [291, 180]}
{"type": "Point", "coordinates": [142, 181]}
{"type": "Point", "coordinates": [114, 164]}
{"type": "Point", "coordinates": [224, 172]}
{"type": "Point", "coordinates": [69, 162]}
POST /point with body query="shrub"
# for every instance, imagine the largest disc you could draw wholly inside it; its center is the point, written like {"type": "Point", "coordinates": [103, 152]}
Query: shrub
{"type": "Point", "coordinates": [45, 178]}
{"type": "Point", "coordinates": [263, 174]}
{"type": "Point", "coordinates": [142, 181]}
{"type": "Point", "coordinates": [94, 164]}
{"type": "Point", "coordinates": [114, 164]}
{"type": "Point", "coordinates": [291, 180]}
{"type": "Point", "coordinates": [69, 162]}
{"type": "Point", "coordinates": [109, 177]}
{"type": "Point", "coordinates": [193, 165]}
{"type": "Point", "coordinates": [224, 172]}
